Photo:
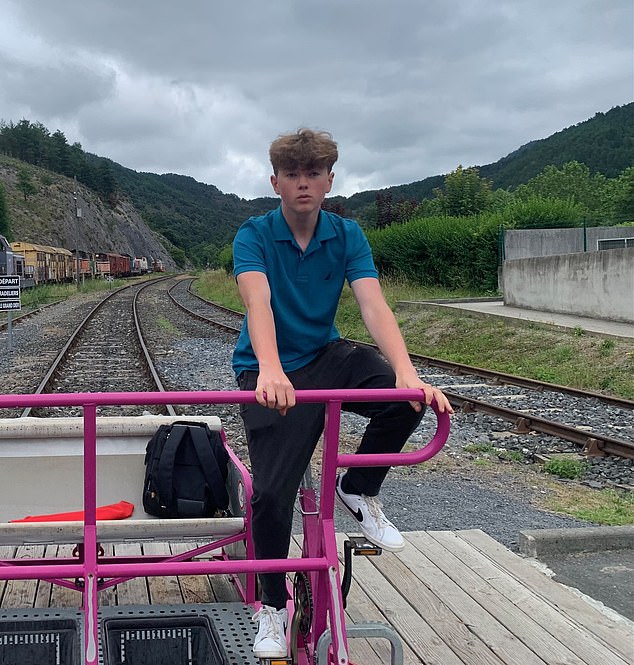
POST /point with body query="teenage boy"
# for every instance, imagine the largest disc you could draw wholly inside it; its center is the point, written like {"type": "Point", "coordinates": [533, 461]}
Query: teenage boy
{"type": "Point", "coordinates": [290, 265]}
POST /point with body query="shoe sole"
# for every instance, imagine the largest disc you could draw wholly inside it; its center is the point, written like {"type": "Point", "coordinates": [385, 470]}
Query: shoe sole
{"type": "Point", "coordinates": [387, 548]}
{"type": "Point", "coordinates": [271, 654]}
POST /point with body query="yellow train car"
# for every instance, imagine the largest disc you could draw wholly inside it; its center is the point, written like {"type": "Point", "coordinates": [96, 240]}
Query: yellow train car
{"type": "Point", "coordinates": [45, 263]}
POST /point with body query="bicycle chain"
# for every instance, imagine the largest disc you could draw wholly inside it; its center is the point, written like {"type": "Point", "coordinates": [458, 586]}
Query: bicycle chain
{"type": "Point", "coordinates": [304, 601]}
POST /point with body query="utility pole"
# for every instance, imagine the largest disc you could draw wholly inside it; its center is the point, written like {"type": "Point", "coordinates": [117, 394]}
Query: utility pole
{"type": "Point", "coordinates": [77, 217]}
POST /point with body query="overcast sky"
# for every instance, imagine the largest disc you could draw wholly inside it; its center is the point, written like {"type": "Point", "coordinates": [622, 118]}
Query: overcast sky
{"type": "Point", "coordinates": [408, 88]}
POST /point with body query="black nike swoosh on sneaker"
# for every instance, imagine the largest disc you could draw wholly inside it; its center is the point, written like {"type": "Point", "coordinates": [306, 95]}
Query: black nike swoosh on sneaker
{"type": "Point", "coordinates": [358, 515]}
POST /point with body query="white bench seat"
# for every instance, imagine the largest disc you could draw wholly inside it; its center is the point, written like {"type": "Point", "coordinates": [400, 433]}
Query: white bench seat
{"type": "Point", "coordinates": [41, 472]}
{"type": "Point", "coordinates": [119, 531]}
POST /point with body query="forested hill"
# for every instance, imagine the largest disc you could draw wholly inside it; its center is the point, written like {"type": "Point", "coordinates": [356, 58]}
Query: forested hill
{"type": "Point", "coordinates": [199, 219]}
{"type": "Point", "coordinates": [604, 143]}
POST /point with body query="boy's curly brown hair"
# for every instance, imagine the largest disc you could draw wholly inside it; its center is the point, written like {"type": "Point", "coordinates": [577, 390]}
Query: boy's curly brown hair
{"type": "Point", "coordinates": [305, 149]}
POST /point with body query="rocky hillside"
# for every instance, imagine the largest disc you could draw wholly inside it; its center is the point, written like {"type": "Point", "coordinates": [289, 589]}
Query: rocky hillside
{"type": "Point", "coordinates": [49, 216]}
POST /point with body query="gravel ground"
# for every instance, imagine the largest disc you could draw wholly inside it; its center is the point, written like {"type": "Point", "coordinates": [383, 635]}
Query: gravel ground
{"type": "Point", "coordinates": [498, 502]}
{"type": "Point", "coordinates": [452, 492]}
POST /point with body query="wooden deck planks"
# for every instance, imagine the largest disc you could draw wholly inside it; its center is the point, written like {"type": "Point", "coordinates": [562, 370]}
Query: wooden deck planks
{"type": "Point", "coordinates": [544, 629]}
{"type": "Point", "coordinates": [21, 593]}
{"type": "Point", "coordinates": [194, 588]}
{"type": "Point", "coordinates": [455, 598]}
{"type": "Point", "coordinates": [134, 591]}
{"type": "Point", "coordinates": [163, 590]}
{"type": "Point", "coordinates": [532, 644]}
{"type": "Point", "coordinates": [360, 609]}
{"type": "Point", "coordinates": [462, 625]}
{"type": "Point", "coordinates": [6, 552]}
{"type": "Point", "coordinates": [618, 636]}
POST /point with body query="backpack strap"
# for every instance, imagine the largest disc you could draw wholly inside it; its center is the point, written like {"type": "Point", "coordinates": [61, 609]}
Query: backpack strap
{"type": "Point", "coordinates": [164, 477]}
{"type": "Point", "coordinates": [209, 464]}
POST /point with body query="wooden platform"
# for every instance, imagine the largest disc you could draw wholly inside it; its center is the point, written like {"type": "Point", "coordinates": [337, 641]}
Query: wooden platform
{"type": "Point", "coordinates": [456, 598]}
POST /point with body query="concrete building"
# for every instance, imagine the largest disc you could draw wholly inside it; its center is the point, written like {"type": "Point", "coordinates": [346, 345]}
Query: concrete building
{"type": "Point", "coordinates": [587, 272]}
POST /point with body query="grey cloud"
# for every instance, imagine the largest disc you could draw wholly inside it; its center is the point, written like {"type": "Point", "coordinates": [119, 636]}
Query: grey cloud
{"type": "Point", "coordinates": [408, 88]}
{"type": "Point", "coordinates": [59, 89]}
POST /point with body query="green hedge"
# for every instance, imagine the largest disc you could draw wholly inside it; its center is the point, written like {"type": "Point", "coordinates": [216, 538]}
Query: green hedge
{"type": "Point", "coordinates": [462, 252]}
{"type": "Point", "coordinates": [455, 252]}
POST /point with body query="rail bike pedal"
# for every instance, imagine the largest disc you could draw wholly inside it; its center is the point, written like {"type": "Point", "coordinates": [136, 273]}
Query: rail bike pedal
{"type": "Point", "coordinates": [276, 661]}
{"type": "Point", "coordinates": [359, 546]}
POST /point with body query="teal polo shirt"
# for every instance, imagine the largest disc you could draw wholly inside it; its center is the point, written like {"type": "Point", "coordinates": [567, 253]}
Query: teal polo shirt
{"type": "Point", "coordinates": [305, 285]}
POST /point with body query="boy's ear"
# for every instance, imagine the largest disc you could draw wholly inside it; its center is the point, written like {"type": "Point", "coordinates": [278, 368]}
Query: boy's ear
{"type": "Point", "coordinates": [274, 183]}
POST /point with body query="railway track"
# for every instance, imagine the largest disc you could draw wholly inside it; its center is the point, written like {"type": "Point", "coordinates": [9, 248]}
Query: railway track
{"type": "Point", "coordinates": [528, 404]}
{"type": "Point", "coordinates": [181, 294]}
{"type": "Point", "coordinates": [105, 353]}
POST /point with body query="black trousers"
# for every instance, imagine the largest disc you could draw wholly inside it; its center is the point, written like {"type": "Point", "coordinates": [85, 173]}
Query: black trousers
{"type": "Point", "coordinates": [280, 447]}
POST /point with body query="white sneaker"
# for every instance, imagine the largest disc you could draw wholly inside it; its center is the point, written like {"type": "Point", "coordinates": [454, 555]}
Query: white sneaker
{"type": "Point", "coordinates": [270, 642]}
{"type": "Point", "coordinates": [367, 510]}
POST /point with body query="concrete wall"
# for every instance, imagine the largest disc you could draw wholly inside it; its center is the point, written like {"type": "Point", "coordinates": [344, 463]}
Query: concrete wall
{"type": "Point", "coordinates": [524, 243]}
{"type": "Point", "coordinates": [597, 284]}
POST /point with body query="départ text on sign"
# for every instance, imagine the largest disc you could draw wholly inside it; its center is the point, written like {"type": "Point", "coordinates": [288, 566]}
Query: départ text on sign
{"type": "Point", "coordinates": [10, 280]}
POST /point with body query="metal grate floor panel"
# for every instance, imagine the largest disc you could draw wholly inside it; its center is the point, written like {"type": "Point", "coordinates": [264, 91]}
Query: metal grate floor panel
{"type": "Point", "coordinates": [206, 634]}
{"type": "Point", "coordinates": [46, 637]}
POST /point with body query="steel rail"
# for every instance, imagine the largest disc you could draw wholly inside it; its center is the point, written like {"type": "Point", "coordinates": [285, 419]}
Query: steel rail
{"type": "Point", "coordinates": [146, 353]}
{"type": "Point", "coordinates": [494, 376]}
{"type": "Point", "coordinates": [201, 317]}
{"type": "Point", "coordinates": [208, 302]}
{"type": "Point", "coordinates": [513, 380]}
{"type": "Point", "coordinates": [73, 340]}
{"type": "Point", "coordinates": [592, 443]}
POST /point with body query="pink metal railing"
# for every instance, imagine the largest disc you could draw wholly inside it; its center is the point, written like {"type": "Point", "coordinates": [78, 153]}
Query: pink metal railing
{"type": "Point", "coordinates": [90, 570]}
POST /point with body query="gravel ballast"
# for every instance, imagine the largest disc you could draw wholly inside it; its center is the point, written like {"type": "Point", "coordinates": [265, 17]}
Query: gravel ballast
{"type": "Point", "coordinates": [192, 356]}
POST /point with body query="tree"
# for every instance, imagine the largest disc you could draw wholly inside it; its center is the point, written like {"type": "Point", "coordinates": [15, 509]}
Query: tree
{"type": "Point", "coordinates": [25, 184]}
{"type": "Point", "coordinates": [623, 201]}
{"type": "Point", "coordinates": [105, 182]}
{"type": "Point", "coordinates": [4, 213]}
{"type": "Point", "coordinates": [404, 211]}
{"type": "Point", "coordinates": [384, 209]}
{"type": "Point", "coordinates": [334, 205]}
{"type": "Point", "coordinates": [60, 154]}
{"type": "Point", "coordinates": [572, 182]}
{"type": "Point", "coordinates": [464, 193]}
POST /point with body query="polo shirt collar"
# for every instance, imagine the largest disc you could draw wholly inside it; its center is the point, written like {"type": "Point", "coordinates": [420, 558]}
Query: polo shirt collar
{"type": "Point", "coordinates": [281, 231]}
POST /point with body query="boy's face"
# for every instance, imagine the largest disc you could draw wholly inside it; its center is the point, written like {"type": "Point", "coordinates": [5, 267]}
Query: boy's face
{"type": "Point", "coordinates": [302, 190]}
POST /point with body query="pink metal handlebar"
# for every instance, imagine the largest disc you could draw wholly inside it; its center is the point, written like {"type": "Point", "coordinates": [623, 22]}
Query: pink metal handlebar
{"type": "Point", "coordinates": [329, 397]}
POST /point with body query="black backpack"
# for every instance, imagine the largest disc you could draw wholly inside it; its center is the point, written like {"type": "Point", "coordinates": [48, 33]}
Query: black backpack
{"type": "Point", "coordinates": [186, 468]}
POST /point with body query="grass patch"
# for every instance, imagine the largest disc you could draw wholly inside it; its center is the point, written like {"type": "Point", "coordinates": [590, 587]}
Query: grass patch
{"type": "Point", "coordinates": [562, 467]}
{"type": "Point", "coordinates": [567, 357]}
{"type": "Point", "coordinates": [41, 295]}
{"type": "Point", "coordinates": [165, 324]}
{"type": "Point", "coordinates": [217, 286]}
{"type": "Point", "coordinates": [606, 507]}
{"type": "Point", "coordinates": [511, 455]}
{"type": "Point", "coordinates": [491, 451]}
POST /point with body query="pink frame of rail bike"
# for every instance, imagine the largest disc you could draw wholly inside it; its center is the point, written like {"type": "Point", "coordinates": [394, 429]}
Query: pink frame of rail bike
{"type": "Point", "coordinates": [320, 548]}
